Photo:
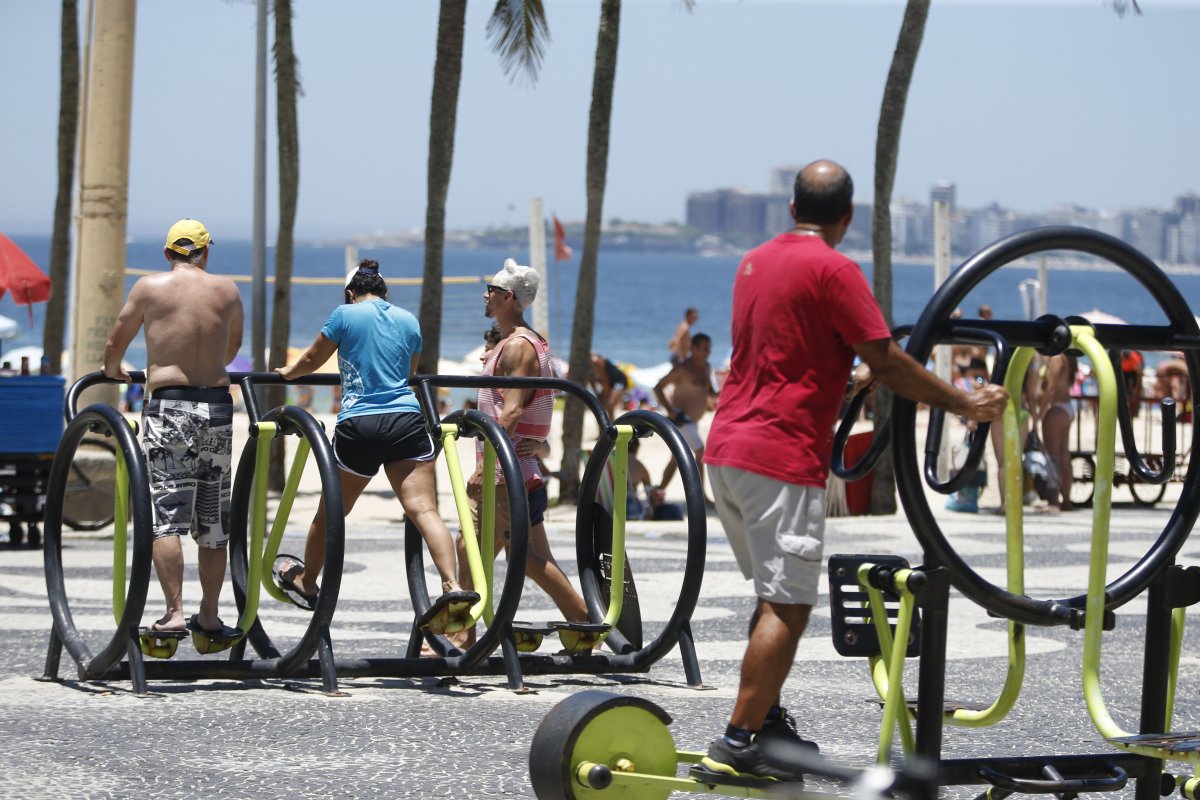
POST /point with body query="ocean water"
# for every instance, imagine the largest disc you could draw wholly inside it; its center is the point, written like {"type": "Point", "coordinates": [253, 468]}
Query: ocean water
{"type": "Point", "coordinates": [640, 296]}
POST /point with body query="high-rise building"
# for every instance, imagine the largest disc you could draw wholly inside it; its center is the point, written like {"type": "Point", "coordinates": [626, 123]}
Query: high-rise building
{"type": "Point", "coordinates": [783, 179]}
{"type": "Point", "coordinates": [943, 190]}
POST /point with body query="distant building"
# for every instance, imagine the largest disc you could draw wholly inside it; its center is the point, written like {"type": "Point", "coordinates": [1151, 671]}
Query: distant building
{"type": "Point", "coordinates": [741, 217]}
{"type": "Point", "coordinates": [783, 179]}
{"type": "Point", "coordinates": [943, 190]}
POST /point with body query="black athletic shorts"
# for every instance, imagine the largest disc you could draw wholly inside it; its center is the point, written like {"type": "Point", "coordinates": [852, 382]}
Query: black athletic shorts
{"type": "Point", "coordinates": [539, 501]}
{"type": "Point", "coordinates": [362, 444]}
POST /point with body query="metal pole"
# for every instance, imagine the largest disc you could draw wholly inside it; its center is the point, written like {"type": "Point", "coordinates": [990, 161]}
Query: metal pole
{"type": "Point", "coordinates": [104, 191]}
{"type": "Point", "coordinates": [537, 260]}
{"type": "Point", "coordinates": [258, 298]}
{"type": "Point", "coordinates": [1043, 287]}
{"type": "Point", "coordinates": [85, 72]}
{"type": "Point", "coordinates": [941, 271]}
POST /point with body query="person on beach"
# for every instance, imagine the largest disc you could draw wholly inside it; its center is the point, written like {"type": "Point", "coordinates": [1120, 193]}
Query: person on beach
{"type": "Point", "coordinates": [525, 415]}
{"type": "Point", "coordinates": [692, 393]}
{"type": "Point", "coordinates": [1056, 411]}
{"type": "Point", "coordinates": [379, 424]}
{"type": "Point", "coordinates": [681, 339]}
{"type": "Point", "coordinates": [801, 311]}
{"type": "Point", "coordinates": [193, 328]}
{"type": "Point", "coordinates": [608, 383]}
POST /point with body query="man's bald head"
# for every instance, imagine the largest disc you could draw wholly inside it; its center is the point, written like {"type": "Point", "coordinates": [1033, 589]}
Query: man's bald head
{"type": "Point", "coordinates": [824, 193]}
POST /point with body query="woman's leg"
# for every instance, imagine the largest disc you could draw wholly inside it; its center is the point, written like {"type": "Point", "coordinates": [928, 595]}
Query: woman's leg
{"type": "Point", "coordinates": [543, 570]}
{"type": "Point", "coordinates": [413, 483]}
{"type": "Point", "coordinates": [314, 547]}
{"type": "Point", "coordinates": [1056, 435]}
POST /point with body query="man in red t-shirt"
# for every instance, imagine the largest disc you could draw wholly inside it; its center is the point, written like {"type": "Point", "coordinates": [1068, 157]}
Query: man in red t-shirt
{"type": "Point", "coordinates": [801, 311]}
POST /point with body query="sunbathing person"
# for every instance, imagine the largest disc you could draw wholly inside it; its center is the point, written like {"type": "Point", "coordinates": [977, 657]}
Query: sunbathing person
{"type": "Point", "coordinates": [379, 424]}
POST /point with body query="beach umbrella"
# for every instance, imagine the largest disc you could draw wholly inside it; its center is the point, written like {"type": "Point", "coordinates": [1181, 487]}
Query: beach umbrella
{"type": "Point", "coordinates": [239, 364]}
{"type": "Point", "coordinates": [1098, 317]}
{"type": "Point", "coordinates": [19, 275]}
{"type": "Point", "coordinates": [9, 328]}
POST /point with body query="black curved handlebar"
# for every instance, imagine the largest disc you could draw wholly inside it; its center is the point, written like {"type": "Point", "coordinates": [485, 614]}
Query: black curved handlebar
{"type": "Point", "coordinates": [937, 417]}
{"type": "Point", "coordinates": [879, 442]}
{"type": "Point", "coordinates": [1136, 462]}
{"type": "Point", "coordinates": [246, 381]}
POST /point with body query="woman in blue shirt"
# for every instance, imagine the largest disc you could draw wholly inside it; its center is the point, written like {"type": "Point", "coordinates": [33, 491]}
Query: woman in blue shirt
{"type": "Point", "coordinates": [379, 425]}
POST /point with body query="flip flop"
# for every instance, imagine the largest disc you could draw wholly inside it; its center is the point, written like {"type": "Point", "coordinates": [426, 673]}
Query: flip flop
{"type": "Point", "coordinates": [206, 640]}
{"type": "Point", "coordinates": [450, 613]}
{"type": "Point", "coordinates": [282, 571]}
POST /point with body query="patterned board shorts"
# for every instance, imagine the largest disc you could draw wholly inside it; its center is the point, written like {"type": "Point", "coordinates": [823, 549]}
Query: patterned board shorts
{"type": "Point", "coordinates": [189, 449]}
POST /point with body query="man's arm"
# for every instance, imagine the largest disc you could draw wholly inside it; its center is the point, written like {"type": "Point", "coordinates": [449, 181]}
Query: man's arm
{"type": "Point", "coordinates": [660, 391]}
{"type": "Point", "coordinates": [317, 354]}
{"type": "Point", "coordinates": [903, 375]}
{"type": "Point", "coordinates": [517, 360]}
{"type": "Point", "coordinates": [129, 321]}
{"type": "Point", "coordinates": [237, 321]}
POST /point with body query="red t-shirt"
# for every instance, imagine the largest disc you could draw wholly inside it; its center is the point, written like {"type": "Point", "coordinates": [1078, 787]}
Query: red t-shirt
{"type": "Point", "coordinates": [798, 306]}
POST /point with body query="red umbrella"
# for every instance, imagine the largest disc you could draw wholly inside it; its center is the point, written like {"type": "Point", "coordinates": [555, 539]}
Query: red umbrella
{"type": "Point", "coordinates": [19, 275]}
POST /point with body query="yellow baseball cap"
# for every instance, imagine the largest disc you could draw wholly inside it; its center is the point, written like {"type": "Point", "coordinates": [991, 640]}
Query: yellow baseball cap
{"type": "Point", "coordinates": [190, 230]}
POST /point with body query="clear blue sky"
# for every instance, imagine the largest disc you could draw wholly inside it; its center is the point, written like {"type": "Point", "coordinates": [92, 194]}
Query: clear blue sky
{"type": "Point", "coordinates": [1027, 104]}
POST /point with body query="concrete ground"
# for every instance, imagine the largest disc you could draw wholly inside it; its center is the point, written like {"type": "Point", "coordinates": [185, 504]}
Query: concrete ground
{"type": "Point", "coordinates": [402, 737]}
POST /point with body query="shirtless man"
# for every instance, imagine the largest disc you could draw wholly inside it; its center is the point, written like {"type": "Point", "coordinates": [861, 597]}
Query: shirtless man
{"type": "Point", "coordinates": [609, 384]}
{"type": "Point", "coordinates": [193, 323]}
{"type": "Point", "coordinates": [681, 339]}
{"type": "Point", "coordinates": [693, 390]}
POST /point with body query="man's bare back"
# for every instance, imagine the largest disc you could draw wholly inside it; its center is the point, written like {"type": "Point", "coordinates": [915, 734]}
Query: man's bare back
{"type": "Point", "coordinates": [193, 323]}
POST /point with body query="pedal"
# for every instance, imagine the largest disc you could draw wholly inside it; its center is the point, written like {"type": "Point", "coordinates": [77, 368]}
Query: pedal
{"type": "Point", "coordinates": [159, 644]}
{"type": "Point", "coordinates": [528, 635]}
{"type": "Point", "coordinates": [207, 642]}
{"type": "Point", "coordinates": [948, 706]}
{"type": "Point", "coordinates": [1177, 746]}
{"type": "Point", "coordinates": [579, 637]}
{"type": "Point", "coordinates": [850, 610]}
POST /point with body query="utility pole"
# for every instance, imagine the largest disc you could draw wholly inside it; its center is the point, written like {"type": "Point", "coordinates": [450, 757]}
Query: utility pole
{"type": "Point", "coordinates": [537, 260]}
{"type": "Point", "coordinates": [99, 287]}
{"type": "Point", "coordinates": [941, 271]}
{"type": "Point", "coordinates": [258, 260]}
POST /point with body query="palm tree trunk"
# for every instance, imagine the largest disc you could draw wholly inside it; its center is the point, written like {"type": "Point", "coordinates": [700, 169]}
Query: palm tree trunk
{"type": "Point", "coordinates": [54, 332]}
{"type": "Point", "coordinates": [286, 90]}
{"type": "Point", "coordinates": [443, 113]}
{"type": "Point", "coordinates": [599, 122]}
{"type": "Point", "coordinates": [887, 149]}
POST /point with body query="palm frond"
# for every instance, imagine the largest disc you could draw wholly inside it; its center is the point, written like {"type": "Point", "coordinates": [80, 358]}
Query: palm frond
{"type": "Point", "coordinates": [1121, 6]}
{"type": "Point", "coordinates": [518, 33]}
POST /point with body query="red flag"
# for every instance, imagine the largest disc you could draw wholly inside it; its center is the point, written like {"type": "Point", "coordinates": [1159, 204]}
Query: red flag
{"type": "Point", "coordinates": [561, 251]}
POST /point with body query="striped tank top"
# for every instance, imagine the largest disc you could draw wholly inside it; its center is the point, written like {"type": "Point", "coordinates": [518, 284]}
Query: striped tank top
{"type": "Point", "coordinates": [535, 420]}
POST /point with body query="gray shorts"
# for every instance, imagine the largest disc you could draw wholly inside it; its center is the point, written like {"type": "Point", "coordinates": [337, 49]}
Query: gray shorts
{"type": "Point", "coordinates": [189, 448]}
{"type": "Point", "coordinates": [776, 530]}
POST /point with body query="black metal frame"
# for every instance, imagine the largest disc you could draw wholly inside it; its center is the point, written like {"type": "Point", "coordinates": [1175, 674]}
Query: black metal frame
{"type": "Point", "coordinates": [1168, 586]}
{"type": "Point", "coordinates": [297, 662]}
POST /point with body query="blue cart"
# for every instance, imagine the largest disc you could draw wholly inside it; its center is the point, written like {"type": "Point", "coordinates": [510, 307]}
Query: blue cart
{"type": "Point", "coordinates": [31, 423]}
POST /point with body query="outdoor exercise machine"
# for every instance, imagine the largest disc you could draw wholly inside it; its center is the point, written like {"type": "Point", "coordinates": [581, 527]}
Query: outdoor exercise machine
{"type": "Point", "coordinates": [253, 551]}
{"type": "Point", "coordinates": [614, 617]}
{"type": "Point", "coordinates": [886, 610]}
{"type": "Point", "coordinates": [875, 599]}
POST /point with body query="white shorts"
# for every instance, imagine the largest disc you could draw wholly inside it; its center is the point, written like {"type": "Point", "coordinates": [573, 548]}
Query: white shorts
{"type": "Point", "coordinates": [776, 530]}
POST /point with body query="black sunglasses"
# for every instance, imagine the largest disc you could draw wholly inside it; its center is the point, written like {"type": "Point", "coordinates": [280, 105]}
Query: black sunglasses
{"type": "Point", "coordinates": [491, 287]}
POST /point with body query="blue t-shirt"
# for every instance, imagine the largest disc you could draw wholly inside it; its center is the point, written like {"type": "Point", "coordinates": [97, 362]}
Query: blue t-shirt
{"type": "Point", "coordinates": [376, 342]}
